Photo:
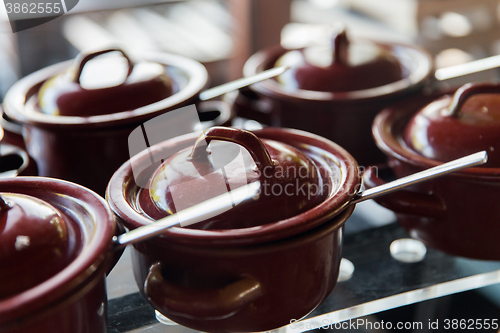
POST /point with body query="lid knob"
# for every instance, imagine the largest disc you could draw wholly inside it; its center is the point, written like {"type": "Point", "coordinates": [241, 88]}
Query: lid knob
{"type": "Point", "coordinates": [34, 243]}
{"type": "Point", "coordinates": [340, 46]}
{"type": "Point", "coordinates": [340, 65]}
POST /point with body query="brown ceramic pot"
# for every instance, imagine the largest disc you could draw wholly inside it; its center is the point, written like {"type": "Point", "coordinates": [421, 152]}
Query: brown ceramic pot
{"type": "Point", "coordinates": [87, 148]}
{"type": "Point", "coordinates": [457, 213]}
{"type": "Point", "coordinates": [55, 239]}
{"type": "Point", "coordinates": [338, 101]}
{"type": "Point", "coordinates": [256, 266]}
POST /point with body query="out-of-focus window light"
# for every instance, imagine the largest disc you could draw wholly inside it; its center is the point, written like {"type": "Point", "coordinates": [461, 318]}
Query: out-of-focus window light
{"type": "Point", "coordinates": [325, 4]}
{"type": "Point", "coordinates": [195, 29]}
{"type": "Point", "coordinates": [481, 18]}
{"type": "Point", "coordinates": [451, 57]}
{"type": "Point", "coordinates": [455, 24]}
{"type": "Point", "coordinates": [430, 28]}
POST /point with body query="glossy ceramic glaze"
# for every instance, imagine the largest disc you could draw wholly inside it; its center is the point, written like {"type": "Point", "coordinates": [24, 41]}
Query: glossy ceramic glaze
{"type": "Point", "coordinates": [457, 213]}
{"type": "Point", "coordinates": [32, 232]}
{"type": "Point", "coordinates": [66, 292]}
{"type": "Point", "coordinates": [344, 117]}
{"type": "Point", "coordinates": [339, 66]}
{"type": "Point", "coordinates": [65, 95]}
{"type": "Point", "coordinates": [240, 279]}
{"type": "Point", "coordinates": [194, 174]}
{"type": "Point", "coordinates": [87, 150]}
{"type": "Point", "coordinates": [458, 125]}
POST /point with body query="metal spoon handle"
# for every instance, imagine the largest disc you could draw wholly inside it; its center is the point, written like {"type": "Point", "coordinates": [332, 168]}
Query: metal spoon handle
{"type": "Point", "coordinates": [240, 83]}
{"type": "Point", "coordinates": [455, 165]}
{"type": "Point", "coordinates": [194, 214]}
{"type": "Point", "coordinates": [467, 68]}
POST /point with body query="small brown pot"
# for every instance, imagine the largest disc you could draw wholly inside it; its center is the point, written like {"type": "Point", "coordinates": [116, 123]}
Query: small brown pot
{"type": "Point", "coordinates": [87, 149]}
{"type": "Point", "coordinates": [457, 213]}
{"type": "Point", "coordinates": [245, 279]}
{"type": "Point", "coordinates": [68, 298]}
{"type": "Point", "coordinates": [344, 117]}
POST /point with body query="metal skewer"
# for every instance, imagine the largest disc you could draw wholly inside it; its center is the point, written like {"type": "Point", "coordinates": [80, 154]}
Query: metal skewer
{"type": "Point", "coordinates": [455, 165]}
{"type": "Point", "coordinates": [240, 83]}
{"type": "Point", "coordinates": [194, 214]}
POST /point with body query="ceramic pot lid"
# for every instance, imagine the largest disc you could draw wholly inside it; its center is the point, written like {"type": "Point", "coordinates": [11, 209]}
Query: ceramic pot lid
{"type": "Point", "coordinates": [34, 242]}
{"type": "Point", "coordinates": [110, 88]}
{"type": "Point", "coordinates": [291, 182]}
{"type": "Point", "coordinates": [455, 126]}
{"type": "Point", "coordinates": [340, 66]}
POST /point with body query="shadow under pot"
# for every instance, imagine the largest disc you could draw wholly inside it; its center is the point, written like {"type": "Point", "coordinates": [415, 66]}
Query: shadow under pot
{"type": "Point", "coordinates": [78, 115]}
{"type": "Point", "coordinates": [334, 90]}
{"type": "Point", "coordinates": [55, 238]}
{"type": "Point", "coordinates": [232, 271]}
{"type": "Point", "coordinates": [457, 213]}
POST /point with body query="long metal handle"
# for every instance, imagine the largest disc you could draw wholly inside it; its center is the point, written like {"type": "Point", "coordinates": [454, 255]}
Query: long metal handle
{"type": "Point", "coordinates": [194, 214]}
{"type": "Point", "coordinates": [455, 165]}
{"type": "Point", "coordinates": [240, 83]}
{"type": "Point", "coordinates": [467, 68]}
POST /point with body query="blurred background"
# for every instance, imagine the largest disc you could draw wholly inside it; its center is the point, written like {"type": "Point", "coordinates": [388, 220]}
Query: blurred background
{"type": "Point", "coordinates": [222, 34]}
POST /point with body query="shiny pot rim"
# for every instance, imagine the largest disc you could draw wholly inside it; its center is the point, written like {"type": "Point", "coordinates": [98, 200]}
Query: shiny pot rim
{"type": "Point", "coordinates": [90, 262]}
{"type": "Point", "coordinates": [122, 183]}
{"type": "Point", "coordinates": [390, 123]}
{"type": "Point", "coordinates": [266, 58]}
{"type": "Point", "coordinates": [17, 103]}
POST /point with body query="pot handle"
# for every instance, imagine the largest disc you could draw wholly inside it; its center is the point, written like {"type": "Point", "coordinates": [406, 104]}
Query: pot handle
{"type": "Point", "coordinates": [404, 201]}
{"type": "Point", "coordinates": [191, 303]}
{"type": "Point", "coordinates": [246, 139]}
{"type": "Point", "coordinates": [468, 90]}
{"type": "Point", "coordinates": [15, 162]}
{"type": "Point", "coordinates": [83, 58]}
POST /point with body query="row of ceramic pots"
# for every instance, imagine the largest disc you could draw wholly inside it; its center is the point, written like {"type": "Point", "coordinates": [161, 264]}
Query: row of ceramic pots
{"type": "Point", "coordinates": [230, 272]}
{"type": "Point", "coordinates": [223, 274]}
{"type": "Point", "coordinates": [77, 117]}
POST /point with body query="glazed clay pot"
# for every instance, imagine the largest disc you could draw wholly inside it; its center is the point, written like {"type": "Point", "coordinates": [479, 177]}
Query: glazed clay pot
{"type": "Point", "coordinates": [337, 100]}
{"type": "Point", "coordinates": [87, 148]}
{"type": "Point", "coordinates": [251, 276]}
{"type": "Point", "coordinates": [55, 239]}
{"type": "Point", "coordinates": [457, 213]}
